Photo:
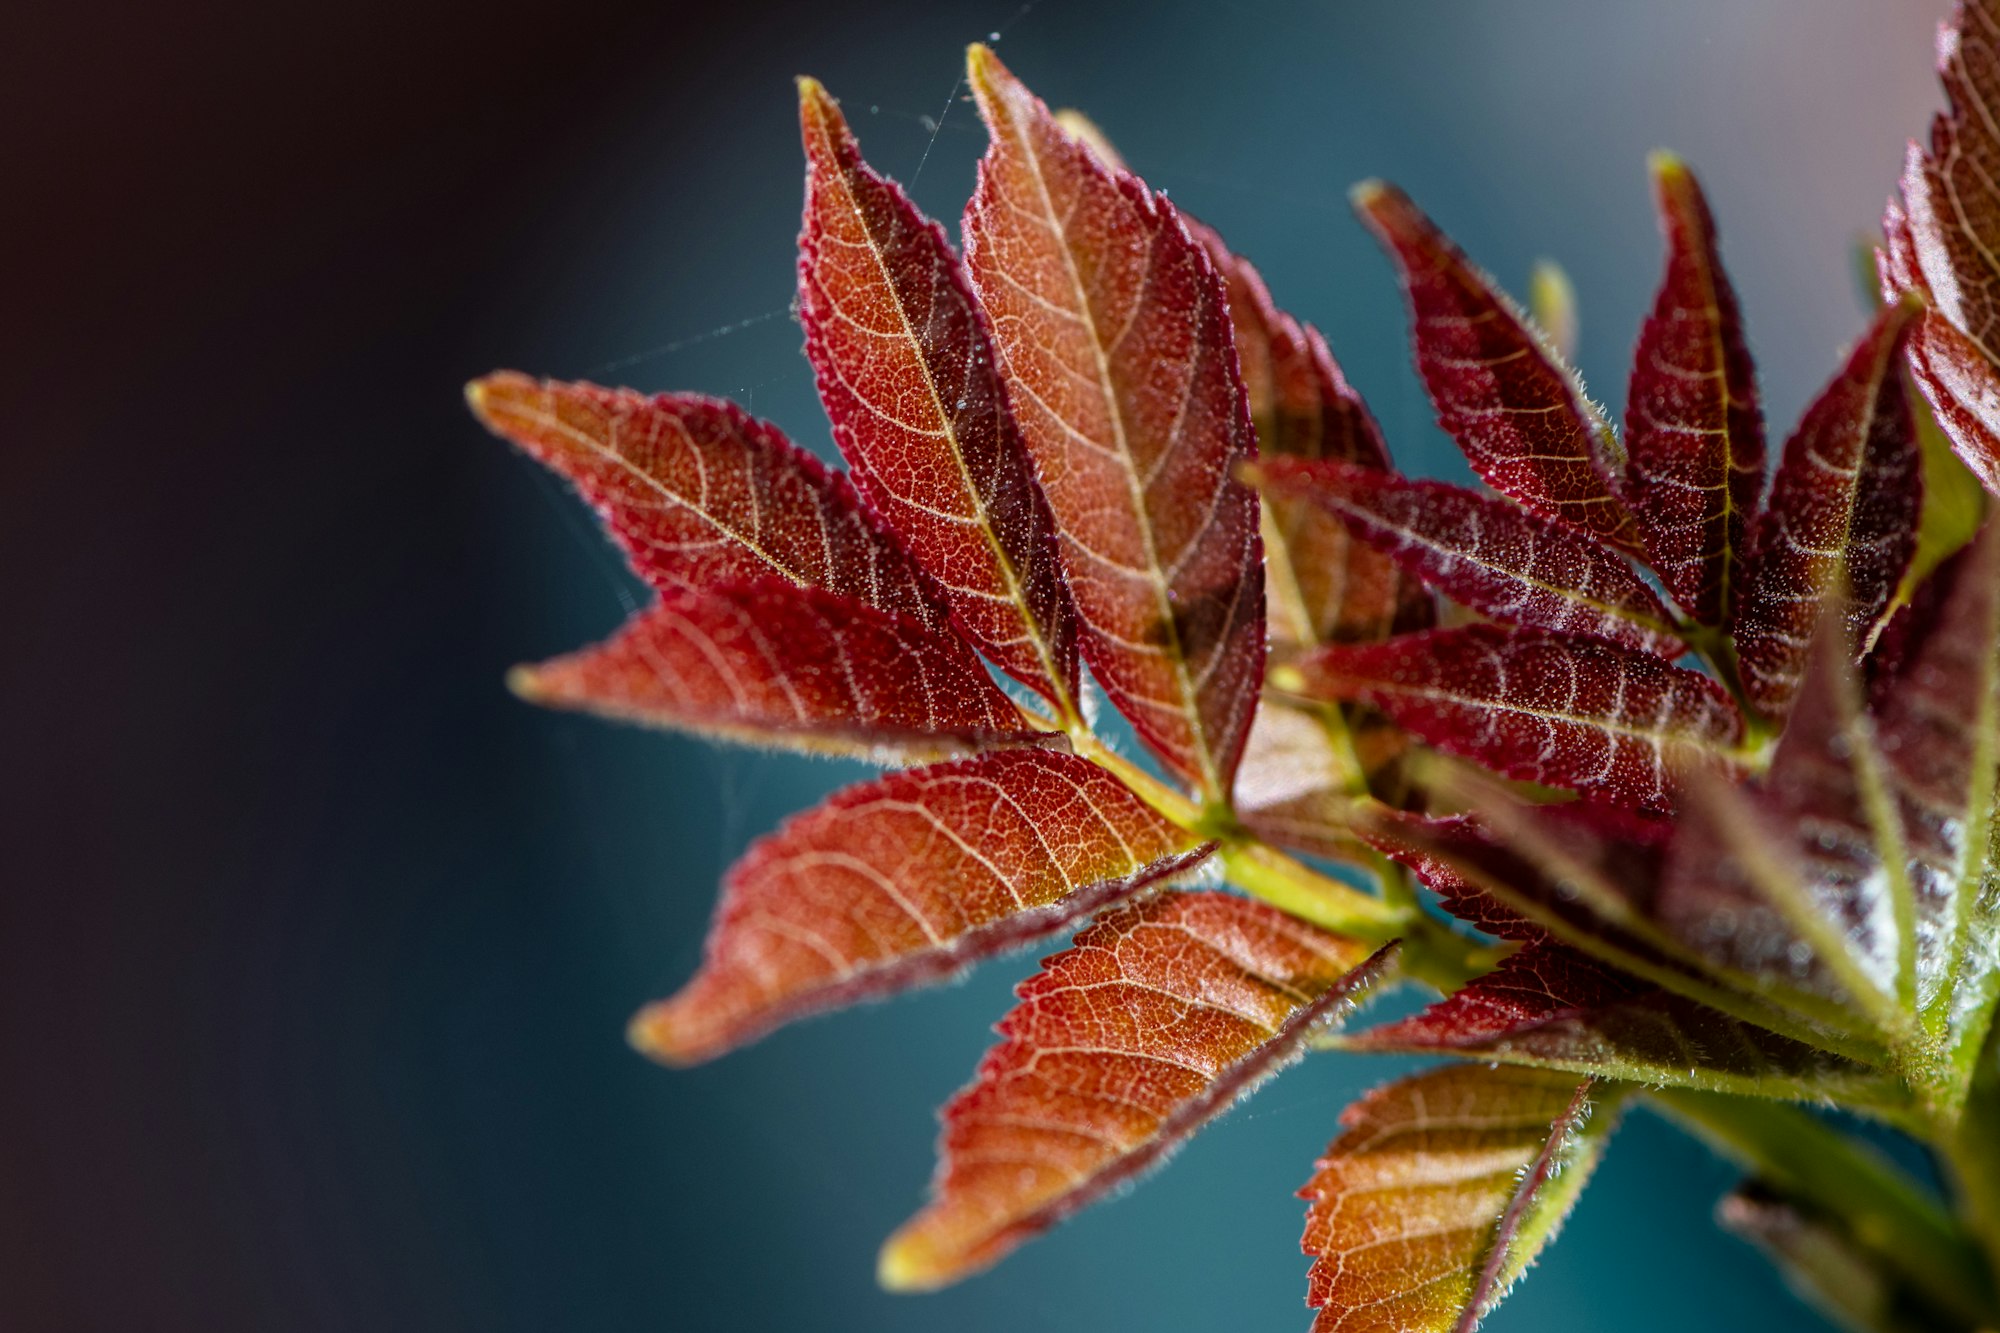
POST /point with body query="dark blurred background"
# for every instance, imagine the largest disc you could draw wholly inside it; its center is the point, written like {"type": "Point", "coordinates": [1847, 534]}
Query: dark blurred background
{"type": "Point", "coordinates": [318, 946]}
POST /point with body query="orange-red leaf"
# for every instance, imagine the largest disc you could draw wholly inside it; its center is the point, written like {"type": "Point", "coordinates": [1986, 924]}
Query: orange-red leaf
{"type": "Point", "coordinates": [1159, 1016]}
{"type": "Point", "coordinates": [907, 372]}
{"type": "Point", "coordinates": [1843, 506]}
{"type": "Point", "coordinates": [1945, 241]}
{"type": "Point", "coordinates": [1692, 425]}
{"type": "Point", "coordinates": [775, 664]}
{"type": "Point", "coordinates": [699, 492]}
{"type": "Point", "coordinates": [1115, 341]}
{"type": "Point", "coordinates": [1563, 710]}
{"type": "Point", "coordinates": [1484, 552]}
{"type": "Point", "coordinates": [1516, 411]}
{"type": "Point", "coordinates": [1438, 1194]}
{"type": "Point", "coordinates": [908, 879]}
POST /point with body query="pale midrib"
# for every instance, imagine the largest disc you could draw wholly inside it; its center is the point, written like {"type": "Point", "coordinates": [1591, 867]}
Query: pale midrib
{"type": "Point", "coordinates": [1190, 700]}
{"type": "Point", "coordinates": [1008, 574]}
{"type": "Point", "coordinates": [606, 452]}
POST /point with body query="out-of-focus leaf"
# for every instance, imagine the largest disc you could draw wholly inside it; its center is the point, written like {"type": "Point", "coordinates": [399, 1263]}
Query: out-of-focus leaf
{"type": "Point", "coordinates": [1944, 240]}
{"type": "Point", "coordinates": [1440, 1193]}
{"type": "Point", "coordinates": [1692, 426]}
{"type": "Point", "coordinates": [907, 372]}
{"type": "Point", "coordinates": [1115, 341]}
{"type": "Point", "coordinates": [699, 492]}
{"type": "Point", "coordinates": [1844, 505]}
{"type": "Point", "coordinates": [1552, 303]}
{"type": "Point", "coordinates": [775, 664]}
{"type": "Point", "coordinates": [1563, 710]}
{"type": "Point", "coordinates": [1938, 725]}
{"type": "Point", "coordinates": [1827, 1264]}
{"type": "Point", "coordinates": [1487, 553]}
{"type": "Point", "coordinates": [1301, 774]}
{"type": "Point", "coordinates": [1161, 1015]}
{"type": "Point", "coordinates": [1552, 1006]}
{"type": "Point", "coordinates": [1518, 413]}
{"type": "Point", "coordinates": [908, 879]}
{"type": "Point", "coordinates": [1323, 587]}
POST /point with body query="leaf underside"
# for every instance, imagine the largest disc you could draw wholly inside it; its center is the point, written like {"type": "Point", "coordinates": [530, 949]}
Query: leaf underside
{"type": "Point", "coordinates": [909, 879]}
{"type": "Point", "coordinates": [1440, 1193]}
{"type": "Point", "coordinates": [1115, 338]}
{"type": "Point", "coordinates": [1159, 1016]}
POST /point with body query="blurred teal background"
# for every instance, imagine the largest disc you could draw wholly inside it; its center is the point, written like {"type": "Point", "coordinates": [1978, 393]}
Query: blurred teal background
{"type": "Point", "coordinates": [319, 946]}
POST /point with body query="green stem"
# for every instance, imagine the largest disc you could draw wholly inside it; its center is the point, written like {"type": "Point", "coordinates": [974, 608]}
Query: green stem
{"type": "Point", "coordinates": [1972, 1148]}
{"type": "Point", "coordinates": [1803, 1156]}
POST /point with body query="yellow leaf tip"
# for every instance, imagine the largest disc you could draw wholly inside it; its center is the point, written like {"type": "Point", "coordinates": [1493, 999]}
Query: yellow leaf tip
{"type": "Point", "coordinates": [1289, 679]}
{"type": "Point", "coordinates": [908, 1264]}
{"type": "Point", "coordinates": [525, 682]}
{"type": "Point", "coordinates": [1664, 162]}
{"type": "Point", "coordinates": [652, 1034]}
{"type": "Point", "coordinates": [1372, 195]}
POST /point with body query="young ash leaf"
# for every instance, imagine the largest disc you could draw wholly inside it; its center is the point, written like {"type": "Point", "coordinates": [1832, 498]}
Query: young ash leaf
{"type": "Point", "coordinates": [1441, 1192]}
{"type": "Point", "coordinates": [1944, 241]}
{"type": "Point", "coordinates": [1843, 505]}
{"type": "Point", "coordinates": [908, 879]}
{"type": "Point", "coordinates": [770, 663]}
{"type": "Point", "coordinates": [1937, 723]}
{"type": "Point", "coordinates": [1520, 415]}
{"type": "Point", "coordinates": [1552, 1006]}
{"type": "Point", "coordinates": [1484, 552]}
{"type": "Point", "coordinates": [698, 492]}
{"type": "Point", "coordinates": [1115, 342]}
{"type": "Point", "coordinates": [1158, 1017]}
{"type": "Point", "coordinates": [907, 372]}
{"type": "Point", "coordinates": [1562, 710]}
{"type": "Point", "coordinates": [1693, 432]}
{"type": "Point", "coordinates": [1323, 586]}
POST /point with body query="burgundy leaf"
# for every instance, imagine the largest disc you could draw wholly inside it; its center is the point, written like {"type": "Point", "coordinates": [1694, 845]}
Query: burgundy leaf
{"type": "Point", "coordinates": [1487, 553]}
{"type": "Point", "coordinates": [1115, 341]}
{"type": "Point", "coordinates": [908, 879]}
{"type": "Point", "coordinates": [1692, 426]}
{"type": "Point", "coordinates": [699, 492]}
{"type": "Point", "coordinates": [907, 372]}
{"type": "Point", "coordinates": [1517, 412]}
{"type": "Point", "coordinates": [1945, 240]}
{"type": "Point", "coordinates": [1323, 586]}
{"type": "Point", "coordinates": [1555, 1007]}
{"type": "Point", "coordinates": [1566, 711]}
{"type": "Point", "coordinates": [775, 664]}
{"type": "Point", "coordinates": [1159, 1016]}
{"type": "Point", "coordinates": [1843, 506]}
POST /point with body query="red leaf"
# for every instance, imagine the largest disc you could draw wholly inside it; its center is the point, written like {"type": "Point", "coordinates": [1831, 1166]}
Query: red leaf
{"type": "Point", "coordinates": [1566, 711]}
{"type": "Point", "coordinates": [1439, 1193]}
{"type": "Point", "coordinates": [776, 664]}
{"type": "Point", "coordinates": [1555, 1007]}
{"type": "Point", "coordinates": [1160, 1016]}
{"type": "Point", "coordinates": [1487, 553]}
{"type": "Point", "coordinates": [908, 879]}
{"type": "Point", "coordinates": [907, 372]}
{"type": "Point", "coordinates": [1945, 241]}
{"type": "Point", "coordinates": [1115, 342]}
{"type": "Point", "coordinates": [1844, 504]}
{"type": "Point", "coordinates": [1516, 411]}
{"type": "Point", "coordinates": [698, 492]}
{"type": "Point", "coordinates": [1692, 426]}
{"type": "Point", "coordinates": [1323, 587]}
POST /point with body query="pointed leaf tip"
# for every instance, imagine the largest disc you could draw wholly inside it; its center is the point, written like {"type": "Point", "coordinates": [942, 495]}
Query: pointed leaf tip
{"type": "Point", "coordinates": [906, 367]}
{"type": "Point", "coordinates": [1159, 1017]}
{"type": "Point", "coordinates": [908, 880]}
{"type": "Point", "coordinates": [1514, 409]}
{"type": "Point", "coordinates": [1115, 340]}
